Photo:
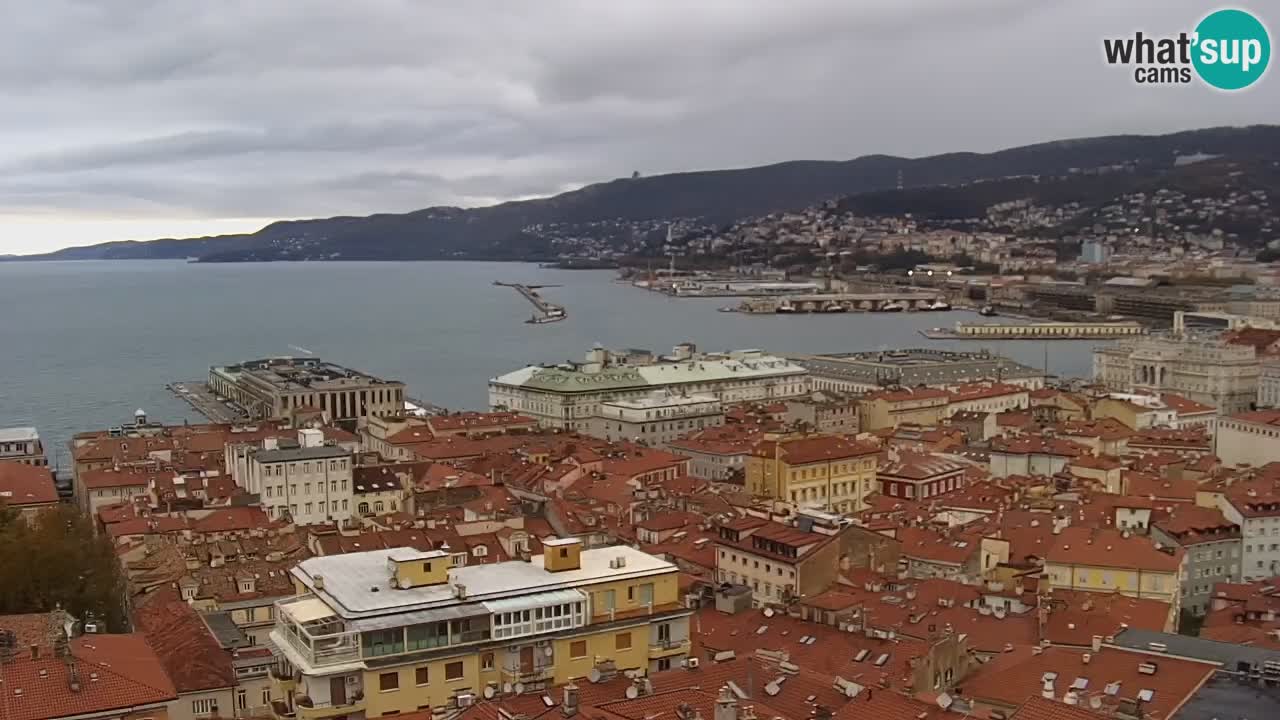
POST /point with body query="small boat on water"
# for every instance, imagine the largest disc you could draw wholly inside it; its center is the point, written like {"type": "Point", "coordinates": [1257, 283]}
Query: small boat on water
{"type": "Point", "coordinates": [892, 306]}
{"type": "Point", "coordinates": [987, 311]}
{"type": "Point", "coordinates": [834, 307]}
{"type": "Point", "coordinates": [939, 305]}
{"type": "Point", "coordinates": [553, 316]}
{"type": "Point", "coordinates": [785, 307]}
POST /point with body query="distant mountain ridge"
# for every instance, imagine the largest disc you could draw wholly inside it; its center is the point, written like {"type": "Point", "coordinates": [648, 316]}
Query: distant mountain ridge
{"type": "Point", "coordinates": [715, 196]}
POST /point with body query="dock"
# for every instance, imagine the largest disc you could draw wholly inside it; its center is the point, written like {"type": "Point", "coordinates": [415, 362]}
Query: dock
{"type": "Point", "coordinates": [846, 302]}
{"type": "Point", "coordinates": [547, 311]}
{"type": "Point", "coordinates": [204, 401]}
{"type": "Point", "coordinates": [1037, 331]}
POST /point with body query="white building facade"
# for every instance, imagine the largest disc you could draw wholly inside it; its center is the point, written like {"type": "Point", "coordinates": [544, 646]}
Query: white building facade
{"type": "Point", "coordinates": [311, 484]}
{"type": "Point", "coordinates": [1206, 371]}
{"type": "Point", "coordinates": [570, 396]}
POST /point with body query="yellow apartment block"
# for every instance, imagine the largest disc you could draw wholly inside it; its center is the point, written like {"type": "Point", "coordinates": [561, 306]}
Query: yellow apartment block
{"type": "Point", "coordinates": [385, 632]}
{"type": "Point", "coordinates": [822, 471]}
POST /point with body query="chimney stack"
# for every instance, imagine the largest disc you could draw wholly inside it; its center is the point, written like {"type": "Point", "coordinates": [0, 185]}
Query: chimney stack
{"type": "Point", "coordinates": [726, 705]}
{"type": "Point", "coordinates": [35, 651]}
{"type": "Point", "coordinates": [570, 706]}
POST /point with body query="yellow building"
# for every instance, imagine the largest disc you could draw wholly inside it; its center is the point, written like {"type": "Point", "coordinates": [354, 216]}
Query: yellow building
{"type": "Point", "coordinates": [1109, 560]}
{"type": "Point", "coordinates": [891, 408]}
{"type": "Point", "coordinates": [385, 632]}
{"type": "Point", "coordinates": [823, 471]}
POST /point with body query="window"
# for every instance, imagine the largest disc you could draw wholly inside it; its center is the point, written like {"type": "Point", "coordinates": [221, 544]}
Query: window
{"type": "Point", "coordinates": [453, 671]}
{"type": "Point", "coordinates": [389, 681]}
{"type": "Point", "coordinates": [622, 641]}
{"type": "Point", "coordinates": [421, 676]}
{"type": "Point", "coordinates": [578, 649]}
{"type": "Point", "coordinates": [204, 707]}
{"type": "Point", "coordinates": [486, 661]}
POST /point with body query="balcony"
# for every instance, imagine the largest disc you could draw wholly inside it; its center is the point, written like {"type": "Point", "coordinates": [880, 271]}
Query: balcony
{"type": "Point", "coordinates": [668, 648]}
{"type": "Point", "coordinates": [281, 710]}
{"type": "Point", "coordinates": [536, 674]}
{"type": "Point", "coordinates": [309, 710]}
{"type": "Point", "coordinates": [310, 629]}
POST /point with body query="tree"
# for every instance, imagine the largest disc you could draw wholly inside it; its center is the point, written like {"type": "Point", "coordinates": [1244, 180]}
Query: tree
{"type": "Point", "coordinates": [57, 560]}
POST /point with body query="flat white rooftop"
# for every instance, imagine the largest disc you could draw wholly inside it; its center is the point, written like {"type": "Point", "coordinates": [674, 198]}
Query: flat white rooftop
{"type": "Point", "coordinates": [19, 434]}
{"type": "Point", "coordinates": [357, 585]}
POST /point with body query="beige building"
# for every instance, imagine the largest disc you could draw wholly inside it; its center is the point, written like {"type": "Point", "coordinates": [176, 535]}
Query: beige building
{"type": "Point", "coordinates": [310, 483]}
{"type": "Point", "coordinates": [1110, 560]}
{"type": "Point", "coordinates": [1206, 371]}
{"type": "Point", "coordinates": [657, 419]}
{"type": "Point", "coordinates": [22, 444]}
{"type": "Point", "coordinates": [891, 408]}
{"type": "Point", "coordinates": [824, 411]}
{"type": "Point", "coordinates": [570, 396]}
{"type": "Point", "coordinates": [277, 387]}
{"type": "Point", "coordinates": [1251, 438]}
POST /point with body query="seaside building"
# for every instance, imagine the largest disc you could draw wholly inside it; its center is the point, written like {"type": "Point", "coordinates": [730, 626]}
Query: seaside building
{"type": "Point", "coordinates": [22, 444]}
{"type": "Point", "coordinates": [277, 387]}
{"type": "Point", "coordinates": [1205, 371]}
{"type": "Point", "coordinates": [385, 632]}
{"type": "Point", "coordinates": [657, 419]}
{"type": "Point", "coordinates": [864, 371]}
{"type": "Point", "coordinates": [27, 489]}
{"type": "Point", "coordinates": [570, 395]}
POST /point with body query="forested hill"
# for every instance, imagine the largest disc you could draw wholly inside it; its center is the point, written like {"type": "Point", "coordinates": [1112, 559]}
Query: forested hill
{"type": "Point", "coordinates": [506, 231]}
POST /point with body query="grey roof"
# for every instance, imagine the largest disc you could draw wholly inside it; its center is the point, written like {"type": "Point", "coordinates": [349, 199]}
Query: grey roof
{"type": "Point", "coordinates": [1226, 654]}
{"type": "Point", "coordinates": [302, 453]}
{"type": "Point", "coordinates": [914, 366]}
{"type": "Point", "coordinates": [1224, 697]}
{"type": "Point", "coordinates": [225, 630]}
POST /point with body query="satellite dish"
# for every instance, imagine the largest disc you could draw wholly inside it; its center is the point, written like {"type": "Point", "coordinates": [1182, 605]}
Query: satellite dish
{"type": "Point", "coordinates": [548, 651]}
{"type": "Point", "coordinates": [488, 692]}
{"type": "Point", "coordinates": [768, 612]}
{"type": "Point", "coordinates": [506, 688]}
{"type": "Point", "coordinates": [594, 676]}
{"type": "Point", "coordinates": [519, 688]}
{"type": "Point", "coordinates": [632, 692]}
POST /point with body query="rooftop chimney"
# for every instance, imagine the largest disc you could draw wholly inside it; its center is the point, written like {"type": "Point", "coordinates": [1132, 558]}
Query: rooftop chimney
{"type": "Point", "coordinates": [726, 705]}
{"type": "Point", "coordinates": [35, 651]}
{"type": "Point", "coordinates": [570, 706]}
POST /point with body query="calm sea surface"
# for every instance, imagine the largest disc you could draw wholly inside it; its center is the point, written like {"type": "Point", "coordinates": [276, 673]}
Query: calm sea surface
{"type": "Point", "coordinates": [84, 344]}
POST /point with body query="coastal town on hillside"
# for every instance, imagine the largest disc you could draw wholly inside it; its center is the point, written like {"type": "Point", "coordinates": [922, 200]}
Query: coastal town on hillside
{"type": "Point", "coordinates": [749, 534]}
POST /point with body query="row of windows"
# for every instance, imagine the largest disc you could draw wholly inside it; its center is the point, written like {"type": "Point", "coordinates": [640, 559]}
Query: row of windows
{"type": "Point", "coordinates": [306, 468]}
{"type": "Point", "coordinates": [278, 490]}
{"type": "Point", "coordinates": [321, 507]}
{"type": "Point", "coordinates": [731, 557]}
{"type": "Point", "coordinates": [840, 468]}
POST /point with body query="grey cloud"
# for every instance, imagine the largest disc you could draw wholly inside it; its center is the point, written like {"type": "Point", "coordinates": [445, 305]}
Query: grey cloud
{"type": "Point", "coordinates": [251, 109]}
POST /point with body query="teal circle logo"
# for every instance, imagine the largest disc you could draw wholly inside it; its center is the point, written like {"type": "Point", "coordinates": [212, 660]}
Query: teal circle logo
{"type": "Point", "coordinates": [1232, 49]}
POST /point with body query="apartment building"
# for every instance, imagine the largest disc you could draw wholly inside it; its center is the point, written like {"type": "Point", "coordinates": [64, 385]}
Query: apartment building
{"type": "Point", "coordinates": [569, 396]}
{"type": "Point", "coordinates": [1250, 438]}
{"type": "Point", "coordinates": [310, 484]}
{"type": "Point", "coordinates": [386, 632]}
{"type": "Point", "coordinates": [1213, 548]}
{"type": "Point", "coordinates": [891, 408]}
{"type": "Point", "coordinates": [874, 370]}
{"type": "Point", "coordinates": [919, 476]}
{"type": "Point", "coordinates": [657, 419]}
{"type": "Point", "coordinates": [1108, 560]}
{"type": "Point", "coordinates": [779, 562]}
{"type": "Point", "coordinates": [822, 471]}
{"type": "Point", "coordinates": [1254, 505]}
{"type": "Point", "coordinates": [22, 444]}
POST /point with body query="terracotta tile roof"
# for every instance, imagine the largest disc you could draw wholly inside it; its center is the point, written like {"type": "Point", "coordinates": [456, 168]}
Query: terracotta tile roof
{"type": "Point", "coordinates": [1075, 617]}
{"type": "Point", "coordinates": [479, 421]}
{"type": "Point", "coordinates": [1186, 406]}
{"type": "Point", "coordinates": [1038, 708]}
{"type": "Point", "coordinates": [1189, 523]}
{"type": "Point", "coordinates": [1101, 547]}
{"type": "Point", "coordinates": [889, 705]}
{"type": "Point", "coordinates": [1104, 429]}
{"type": "Point", "coordinates": [978, 391]}
{"type": "Point", "coordinates": [1259, 417]}
{"type": "Point", "coordinates": [1037, 445]}
{"type": "Point", "coordinates": [935, 547]}
{"type": "Point", "coordinates": [190, 654]}
{"type": "Point", "coordinates": [732, 439]}
{"type": "Point", "coordinates": [115, 672]}
{"type": "Point", "coordinates": [124, 477]}
{"type": "Point", "coordinates": [1011, 679]}
{"type": "Point", "coordinates": [920, 466]}
{"type": "Point", "coordinates": [22, 484]}
{"type": "Point", "coordinates": [907, 394]}
{"type": "Point", "coordinates": [814, 449]}
{"type": "Point", "coordinates": [1097, 462]}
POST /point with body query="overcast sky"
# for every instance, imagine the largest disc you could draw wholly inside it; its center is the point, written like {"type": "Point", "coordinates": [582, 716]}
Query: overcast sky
{"type": "Point", "coordinates": [151, 118]}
